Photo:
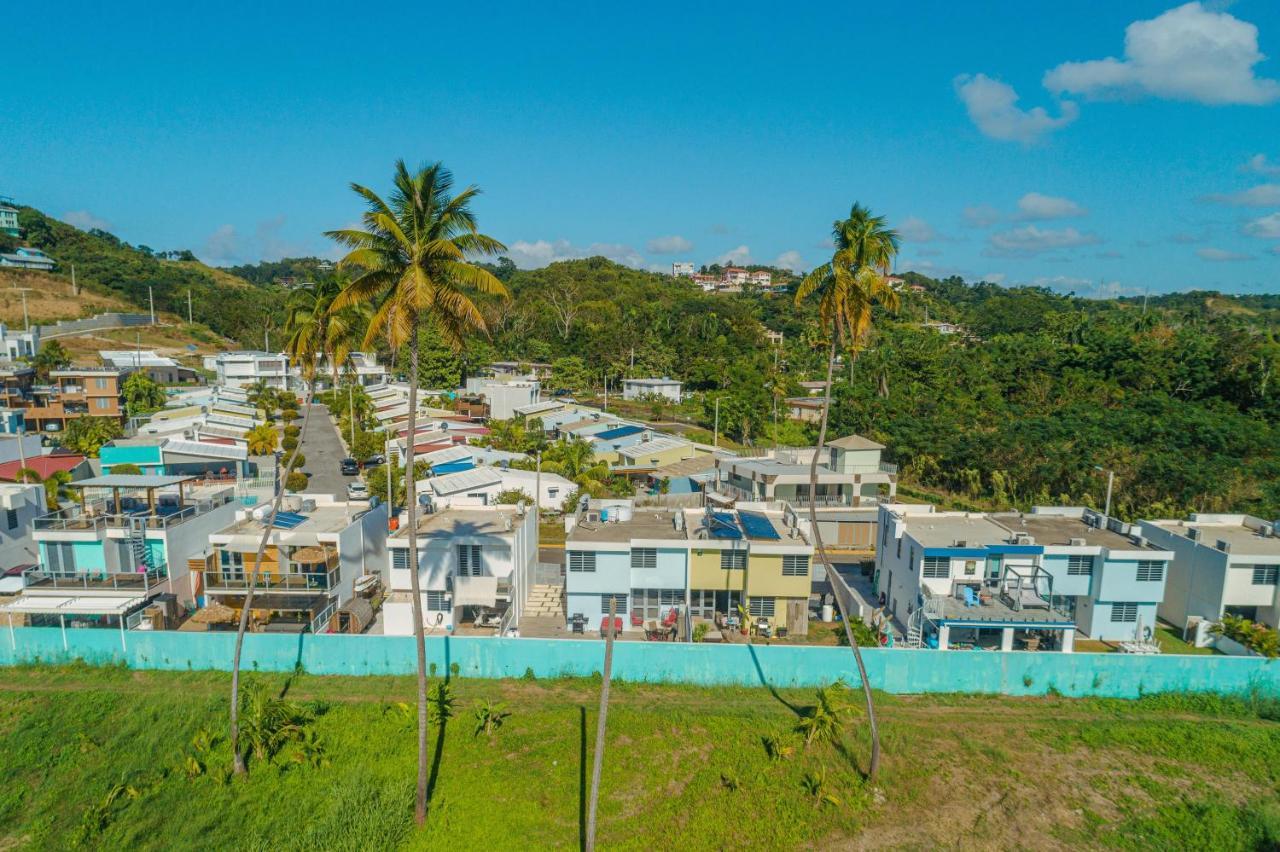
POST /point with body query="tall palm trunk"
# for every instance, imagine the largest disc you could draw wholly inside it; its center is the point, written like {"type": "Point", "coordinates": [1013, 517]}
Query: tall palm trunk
{"type": "Point", "coordinates": [826, 564]}
{"type": "Point", "coordinates": [597, 762]}
{"type": "Point", "coordinates": [267, 522]}
{"type": "Point", "coordinates": [411, 512]}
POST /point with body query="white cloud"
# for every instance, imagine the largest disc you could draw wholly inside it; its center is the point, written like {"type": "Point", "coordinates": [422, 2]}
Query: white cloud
{"type": "Point", "coordinates": [1030, 240]}
{"type": "Point", "coordinates": [995, 277]}
{"type": "Point", "coordinates": [981, 216]}
{"type": "Point", "coordinates": [1189, 53]}
{"type": "Point", "coordinates": [1085, 288]}
{"type": "Point", "coordinates": [790, 260]}
{"type": "Point", "coordinates": [913, 229]}
{"type": "Point", "coordinates": [1262, 195]}
{"type": "Point", "coordinates": [1258, 164]}
{"type": "Point", "coordinates": [735, 257]}
{"type": "Point", "coordinates": [222, 246]}
{"type": "Point", "coordinates": [532, 255]}
{"type": "Point", "coordinates": [993, 108]}
{"type": "Point", "coordinates": [86, 221]}
{"type": "Point", "coordinates": [271, 246]}
{"type": "Point", "coordinates": [929, 252]}
{"type": "Point", "coordinates": [673, 244]}
{"type": "Point", "coordinates": [1217, 255]}
{"type": "Point", "coordinates": [1267, 228]}
{"type": "Point", "coordinates": [1037, 207]}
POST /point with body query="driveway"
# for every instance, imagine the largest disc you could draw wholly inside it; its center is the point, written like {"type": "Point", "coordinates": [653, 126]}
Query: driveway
{"type": "Point", "coordinates": [324, 452]}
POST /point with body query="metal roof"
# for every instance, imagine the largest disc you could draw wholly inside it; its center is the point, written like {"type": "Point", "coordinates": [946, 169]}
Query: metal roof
{"type": "Point", "coordinates": [56, 605]}
{"type": "Point", "coordinates": [538, 407]}
{"type": "Point", "coordinates": [660, 444]}
{"type": "Point", "coordinates": [855, 442]}
{"type": "Point", "coordinates": [617, 432]}
{"type": "Point", "coordinates": [480, 477]}
{"type": "Point", "coordinates": [131, 480]}
{"type": "Point", "coordinates": [448, 454]}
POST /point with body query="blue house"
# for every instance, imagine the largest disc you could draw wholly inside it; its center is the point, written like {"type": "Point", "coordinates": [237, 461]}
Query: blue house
{"type": "Point", "coordinates": [1008, 580]}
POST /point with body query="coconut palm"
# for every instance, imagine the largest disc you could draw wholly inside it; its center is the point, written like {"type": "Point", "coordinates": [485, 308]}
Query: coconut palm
{"type": "Point", "coordinates": [261, 440]}
{"type": "Point", "coordinates": [410, 262]}
{"type": "Point", "coordinates": [311, 325]}
{"type": "Point", "coordinates": [305, 358]}
{"type": "Point", "coordinates": [848, 287]}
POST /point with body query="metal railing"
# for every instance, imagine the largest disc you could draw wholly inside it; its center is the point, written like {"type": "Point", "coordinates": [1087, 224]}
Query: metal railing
{"type": "Point", "coordinates": [98, 515]}
{"type": "Point", "coordinates": [227, 581]}
{"type": "Point", "coordinates": [132, 581]}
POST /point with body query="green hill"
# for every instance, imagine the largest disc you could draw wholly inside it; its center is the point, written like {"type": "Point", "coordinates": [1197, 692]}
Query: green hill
{"type": "Point", "coordinates": [104, 264]}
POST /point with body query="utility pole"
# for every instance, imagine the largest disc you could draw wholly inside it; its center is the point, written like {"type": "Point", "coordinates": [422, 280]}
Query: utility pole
{"type": "Point", "coordinates": [537, 489]}
{"type": "Point", "coordinates": [26, 320]}
{"type": "Point", "coordinates": [151, 298]}
{"type": "Point", "coordinates": [1111, 477]}
{"type": "Point", "coordinates": [189, 320]}
{"type": "Point", "coordinates": [75, 288]}
{"type": "Point", "coordinates": [715, 436]}
{"type": "Point", "coordinates": [351, 411]}
{"type": "Point", "coordinates": [606, 391]}
{"type": "Point", "coordinates": [137, 350]}
{"type": "Point", "coordinates": [387, 463]}
{"type": "Point", "coordinates": [1145, 292]}
{"type": "Point", "coordinates": [266, 340]}
{"type": "Point", "coordinates": [22, 452]}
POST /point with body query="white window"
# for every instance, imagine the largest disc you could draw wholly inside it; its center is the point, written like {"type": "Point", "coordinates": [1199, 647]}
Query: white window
{"type": "Point", "coordinates": [761, 607]}
{"type": "Point", "coordinates": [1124, 613]}
{"type": "Point", "coordinates": [644, 557]}
{"type": "Point", "coordinates": [100, 383]}
{"type": "Point", "coordinates": [102, 402]}
{"type": "Point", "coordinates": [582, 561]}
{"type": "Point", "coordinates": [469, 562]}
{"type": "Point", "coordinates": [733, 560]}
{"type": "Point", "coordinates": [937, 567]}
{"type": "Point", "coordinates": [1266, 575]}
{"type": "Point", "coordinates": [435, 601]}
{"type": "Point", "coordinates": [400, 557]}
{"type": "Point", "coordinates": [1150, 571]}
{"type": "Point", "coordinates": [795, 565]}
{"type": "Point", "coordinates": [1079, 566]}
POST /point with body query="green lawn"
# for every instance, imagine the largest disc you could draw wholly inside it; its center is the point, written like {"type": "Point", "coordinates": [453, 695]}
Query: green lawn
{"type": "Point", "coordinates": [96, 757]}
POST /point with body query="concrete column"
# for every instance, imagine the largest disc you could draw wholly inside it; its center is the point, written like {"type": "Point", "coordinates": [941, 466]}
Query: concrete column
{"type": "Point", "coordinates": [1006, 639]}
{"type": "Point", "coordinates": [1068, 641]}
{"type": "Point", "coordinates": [944, 637]}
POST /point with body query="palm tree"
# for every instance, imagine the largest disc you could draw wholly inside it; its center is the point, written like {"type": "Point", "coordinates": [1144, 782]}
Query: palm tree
{"type": "Point", "coordinates": [261, 440]}
{"type": "Point", "coordinates": [262, 396]}
{"type": "Point", "coordinates": [410, 264]}
{"type": "Point", "coordinates": [305, 358]}
{"type": "Point", "coordinates": [848, 287]}
{"type": "Point", "coordinates": [313, 326]}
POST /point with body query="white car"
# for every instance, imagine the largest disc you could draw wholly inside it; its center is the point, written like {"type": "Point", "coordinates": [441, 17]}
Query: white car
{"type": "Point", "coordinates": [357, 491]}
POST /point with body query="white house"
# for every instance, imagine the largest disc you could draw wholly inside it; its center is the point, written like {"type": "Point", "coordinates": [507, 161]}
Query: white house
{"type": "Point", "coordinates": [471, 561]}
{"type": "Point", "coordinates": [28, 258]}
{"type": "Point", "coordinates": [640, 388]}
{"type": "Point", "coordinates": [20, 504]}
{"type": "Point", "coordinates": [504, 397]}
{"type": "Point", "coordinates": [1222, 565]}
{"type": "Point", "coordinates": [19, 344]}
{"type": "Point", "coordinates": [682, 269]}
{"type": "Point", "coordinates": [244, 368]}
{"type": "Point", "coordinates": [480, 486]}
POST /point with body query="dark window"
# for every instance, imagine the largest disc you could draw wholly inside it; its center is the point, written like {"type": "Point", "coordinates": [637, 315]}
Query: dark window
{"type": "Point", "coordinates": [735, 560]}
{"type": "Point", "coordinates": [1079, 566]}
{"type": "Point", "coordinates": [761, 607]}
{"type": "Point", "coordinates": [469, 563]}
{"type": "Point", "coordinates": [937, 567]}
{"type": "Point", "coordinates": [621, 607]}
{"type": "Point", "coordinates": [1266, 575]}
{"type": "Point", "coordinates": [899, 547]}
{"type": "Point", "coordinates": [10, 518]}
{"type": "Point", "coordinates": [435, 600]}
{"type": "Point", "coordinates": [1150, 571]}
{"type": "Point", "coordinates": [1124, 612]}
{"type": "Point", "coordinates": [582, 561]}
{"type": "Point", "coordinates": [644, 557]}
{"type": "Point", "coordinates": [795, 565]}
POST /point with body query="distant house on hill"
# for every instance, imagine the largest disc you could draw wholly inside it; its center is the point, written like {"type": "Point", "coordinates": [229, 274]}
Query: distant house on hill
{"type": "Point", "coordinates": [28, 258]}
{"type": "Point", "coordinates": [9, 218]}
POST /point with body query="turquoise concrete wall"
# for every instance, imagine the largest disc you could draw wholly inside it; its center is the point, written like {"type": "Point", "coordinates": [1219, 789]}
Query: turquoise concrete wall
{"type": "Point", "coordinates": [896, 671]}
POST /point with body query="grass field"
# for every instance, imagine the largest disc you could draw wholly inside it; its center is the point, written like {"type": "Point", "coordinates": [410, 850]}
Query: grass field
{"type": "Point", "coordinates": [99, 758]}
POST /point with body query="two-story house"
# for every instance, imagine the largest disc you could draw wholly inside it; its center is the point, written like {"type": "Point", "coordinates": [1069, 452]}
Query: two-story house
{"type": "Point", "coordinates": [996, 580]}
{"type": "Point", "coordinates": [1222, 565]}
{"type": "Point", "coordinates": [317, 550]}
{"type": "Point", "coordinates": [473, 563]}
{"type": "Point", "coordinates": [245, 368]}
{"type": "Point", "coordinates": [850, 473]}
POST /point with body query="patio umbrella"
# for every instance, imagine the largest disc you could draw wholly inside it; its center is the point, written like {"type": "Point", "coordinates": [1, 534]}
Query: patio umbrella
{"type": "Point", "coordinates": [216, 613]}
{"type": "Point", "coordinates": [310, 555]}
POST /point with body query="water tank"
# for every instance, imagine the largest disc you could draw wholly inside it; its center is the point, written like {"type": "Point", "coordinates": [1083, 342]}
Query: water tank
{"type": "Point", "coordinates": [620, 514]}
{"type": "Point", "coordinates": [604, 516]}
{"type": "Point", "coordinates": [828, 613]}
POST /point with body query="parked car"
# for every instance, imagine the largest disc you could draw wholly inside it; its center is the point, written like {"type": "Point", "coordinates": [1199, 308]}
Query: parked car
{"type": "Point", "coordinates": [350, 467]}
{"type": "Point", "coordinates": [357, 491]}
{"type": "Point", "coordinates": [373, 461]}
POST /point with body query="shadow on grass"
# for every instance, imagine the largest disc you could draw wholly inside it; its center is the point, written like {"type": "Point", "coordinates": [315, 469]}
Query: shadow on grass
{"type": "Point", "coordinates": [582, 777]}
{"type": "Point", "coordinates": [437, 756]}
{"type": "Point", "coordinates": [773, 690]}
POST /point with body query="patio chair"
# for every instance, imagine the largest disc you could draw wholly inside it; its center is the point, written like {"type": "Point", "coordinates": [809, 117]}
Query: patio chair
{"type": "Point", "coordinates": [970, 597]}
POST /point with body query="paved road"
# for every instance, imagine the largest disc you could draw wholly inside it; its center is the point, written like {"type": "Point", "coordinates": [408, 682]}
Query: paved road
{"type": "Point", "coordinates": [324, 451]}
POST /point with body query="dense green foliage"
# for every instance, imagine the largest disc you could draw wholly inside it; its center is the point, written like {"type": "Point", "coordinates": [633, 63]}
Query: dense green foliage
{"type": "Point", "coordinates": [87, 434]}
{"type": "Point", "coordinates": [142, 395]}
{"type": "Point", "coordinates": [119, 759]}
{"type": "Point", "coordinates": [105, 264]}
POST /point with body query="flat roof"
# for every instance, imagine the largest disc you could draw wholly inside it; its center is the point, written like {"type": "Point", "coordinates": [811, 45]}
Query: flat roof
{"type": "Point", "coordinates": [476, 477]}
{"type": "Point", "coordinates": [644, 523]}
{"type": "Point", "coordinates": [1059, 530]}
{"type": "Point", "coordinates": [59, 605]}
{"type": "Point", "coordinates": [131, 480]}
{"type": "Point", "coordinates": [651, 381]}
{"type": "Point", "coordinates": [1243, 540]}
{"type": "Point", "coordinates": [773, 467]}
{"type": "Point", "coordinates": [464, 521]}
{"type": "Point", "coordinates": [944, 530]}
{"type": "Point", "coordinates": [660, 444]}
{"type": "Point", "coordinates": [331, 518]}
{"type": "Point", "coordinates": [689, 466]}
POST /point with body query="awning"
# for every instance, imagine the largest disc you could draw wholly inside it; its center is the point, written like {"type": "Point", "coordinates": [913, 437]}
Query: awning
{"type": "Point", "coordinates": [475, 591]}
{"type": "Point", "coordinates": [52, 605]}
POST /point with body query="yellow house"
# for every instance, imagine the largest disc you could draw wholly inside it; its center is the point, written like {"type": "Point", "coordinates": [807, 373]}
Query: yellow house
{"type": "Point", "coordinates": [656, 452]}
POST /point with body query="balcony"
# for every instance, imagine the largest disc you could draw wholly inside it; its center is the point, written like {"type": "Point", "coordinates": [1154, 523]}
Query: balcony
{"type": "Point", "coordinates": [100, 514]}
{"type": "Point", "coordinates": [236, 581]}
{"type": "Point", "coordinates": [134, 582]}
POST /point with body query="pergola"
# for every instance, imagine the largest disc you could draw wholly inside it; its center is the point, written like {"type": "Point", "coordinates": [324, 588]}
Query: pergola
{"type": "Point", "coordinates": [62, 606]}
{"type": "Point", "coordinates": [150, 483]}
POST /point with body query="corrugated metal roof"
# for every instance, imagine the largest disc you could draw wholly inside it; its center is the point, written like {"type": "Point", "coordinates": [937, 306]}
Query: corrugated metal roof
{"type": "Point", "coordinates": [480, 477]}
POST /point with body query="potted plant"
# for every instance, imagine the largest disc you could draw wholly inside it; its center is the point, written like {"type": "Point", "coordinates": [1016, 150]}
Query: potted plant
{"type": "Point", "coordinates": [744, 620]}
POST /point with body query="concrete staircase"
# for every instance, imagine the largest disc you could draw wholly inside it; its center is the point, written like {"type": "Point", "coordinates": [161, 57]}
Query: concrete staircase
{"type": "Point", "coordinates": [545, 601]}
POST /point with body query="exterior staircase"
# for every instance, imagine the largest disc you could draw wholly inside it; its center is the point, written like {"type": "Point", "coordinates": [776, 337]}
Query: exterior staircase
{"type": "Point", "coordinates": [543, 613]}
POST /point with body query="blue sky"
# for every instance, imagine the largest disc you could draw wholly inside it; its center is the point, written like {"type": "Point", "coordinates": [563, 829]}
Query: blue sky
{"type": "Point", "coordinates": [1142, 150]}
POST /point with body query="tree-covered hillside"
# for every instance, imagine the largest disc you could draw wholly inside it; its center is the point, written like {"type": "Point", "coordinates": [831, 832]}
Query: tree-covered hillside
{"type": "Point", "coordinates": [103, 263]}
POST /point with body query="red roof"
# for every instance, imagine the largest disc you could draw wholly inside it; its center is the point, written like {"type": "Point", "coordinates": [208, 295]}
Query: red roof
{"type": "Point", "coordinates": [43, 465]}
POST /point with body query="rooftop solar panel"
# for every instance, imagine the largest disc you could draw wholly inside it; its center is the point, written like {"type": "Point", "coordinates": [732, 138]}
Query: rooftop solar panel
{"type": "Point", "coordinates": [756, 525]}
{"type": "Point", "coordinates": [722, 525]}
{"type": "Point", "coordinates": [617, 432]}
{"type": "Point", "coordinates": [288, 520]}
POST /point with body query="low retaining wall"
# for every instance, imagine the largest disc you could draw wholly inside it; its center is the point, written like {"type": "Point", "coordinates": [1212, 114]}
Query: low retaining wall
{"type": "Point", "coordinates": [891, 670]}
{"type": "Point", "coordinates": [101, 322]}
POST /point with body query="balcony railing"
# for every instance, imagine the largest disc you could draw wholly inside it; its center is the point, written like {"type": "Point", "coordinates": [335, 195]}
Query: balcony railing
{"type": "Point", "coordinates": [100, 514]}
{"type": "Point", "coordinates": [97, 581]}
{"type": "Point", "coordinates": [219, 580]}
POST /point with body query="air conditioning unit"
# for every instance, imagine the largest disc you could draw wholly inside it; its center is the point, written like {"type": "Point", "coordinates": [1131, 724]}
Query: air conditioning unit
{"type": "Point", "coordinates": [1023, 538]}
{"type": "Point", "coordinates": [1077, 542]}
{"type": "Point", "coordinates": [1224, 546]}
{"type": "Point", "coordinates": [960, 543]}
{"type": "Point", "coordinates": [1193, 534]}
